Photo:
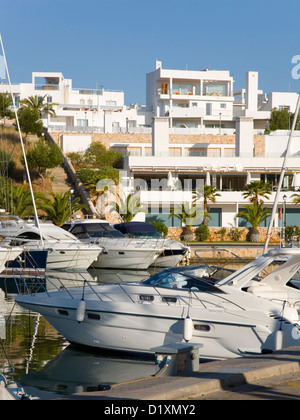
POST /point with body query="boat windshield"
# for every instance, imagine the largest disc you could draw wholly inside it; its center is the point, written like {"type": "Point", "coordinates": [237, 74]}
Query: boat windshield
{"type": "Point", "coordinates": [176, 280]}
{"type": "Point", "coordinates": [144, 235]}
{"type": "Point", "coordinates": [95, 230]}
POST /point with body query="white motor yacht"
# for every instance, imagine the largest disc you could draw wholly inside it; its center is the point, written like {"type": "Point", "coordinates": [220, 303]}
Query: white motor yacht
{"type": "Point", "coordinates": [118, 250]}
{"type": "Point", "coordinates": [277, 277]}
{"type": "Point", "coordinates": [65, 251]}
{"type": "Point", "coordinates": [173, 251]}
{"type": "Point", "coordinates": [8, 254]}
{"type": "Point", "coordinates": [174, 305]}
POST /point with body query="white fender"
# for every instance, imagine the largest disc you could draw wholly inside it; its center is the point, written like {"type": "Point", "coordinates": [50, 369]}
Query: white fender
{"type": "Point", "coordinates": [188, 329]}
{"type": "Point", "coordinates": [80, 311]}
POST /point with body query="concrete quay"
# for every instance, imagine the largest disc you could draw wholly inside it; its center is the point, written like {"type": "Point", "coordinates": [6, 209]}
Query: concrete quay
{"type": "Point", "coordinates": [212, 377]}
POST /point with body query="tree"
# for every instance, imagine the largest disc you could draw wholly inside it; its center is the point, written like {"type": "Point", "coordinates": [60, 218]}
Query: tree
{"type": "Point", "coordinates": [37, 103]}
{"type": "Point", "coordinates": [160, 227]}
{"type": "Point", "coordinates": [61, 207]}
{"type": "Point", "coordinates": [282, 120]}
{"type": "Point", "coordinates": [209, 194]}
{"type": "Point", "coordinates": [5, 104]}
{"type": "Point", "coordinates": [30, 122]}
{"type": "Point", "coordinates": [98, 156]}
{"type": "Point", "coordinates": [296, 199]}
{"type": "Point", "coordinates": [255, 215]}
{"type": "Point", "coordinates": [189, 216]}
{"type": "Point", "coordinates": [90, 177]}
{"type": "Point", "coordinates": [18, 200]}
{"type": "Point", "coordinates": [257, 189]}
{"type": "Point", "coordinates": [44, 155]}
{"type": "Point", "coordinates": [127, 206]}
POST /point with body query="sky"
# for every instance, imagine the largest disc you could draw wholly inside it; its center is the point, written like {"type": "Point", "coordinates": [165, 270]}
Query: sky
{"type": "Point", "coordinates": [114, 43]}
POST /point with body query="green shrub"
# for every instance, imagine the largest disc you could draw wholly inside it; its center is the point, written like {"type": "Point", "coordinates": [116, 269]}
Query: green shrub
{"type": "Point", "coordinates": [236, 234]}
{"type": "Point", "coordinates": [202, 233]}
{"type": "Point", "coordinates": [222, 233]}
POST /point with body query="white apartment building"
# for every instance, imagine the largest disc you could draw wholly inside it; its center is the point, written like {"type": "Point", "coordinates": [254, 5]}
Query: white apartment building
{"type": "Point", "coordinates": [195, 100]}
{"type": "Point", "coordinates": [80, 110]}
{"type": "Point", "coordinates": [194, 128]}
{"type": "Point", "coordinates": [157, 176]}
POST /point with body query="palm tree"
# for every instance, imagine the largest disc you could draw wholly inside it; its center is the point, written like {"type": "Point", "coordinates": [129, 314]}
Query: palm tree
{"type": "Point", "coordinates": [255, 215]}
{"type": "Point", "coordinates": [39, 104]}
{"type": "Point", "coordinates": [127, 206]}
{"type": "Point", "coordinates": [5, 104]}
{"type": "Point", "coordinates": [188, 215]}
{"type": "Point", "coordinates": [61, 208]}
{"type": "Point", "coordinates": [296, 199]}
{"type": "Point", "coordinates": [209, 194]}
{"type": "Point", "coordinates": [257, 189]}
{"type": "Point", "coordinates": [17, 199]}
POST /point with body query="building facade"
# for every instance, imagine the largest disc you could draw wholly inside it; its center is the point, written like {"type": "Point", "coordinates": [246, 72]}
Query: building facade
{"type": "Point", "coordinates": [195, 129]}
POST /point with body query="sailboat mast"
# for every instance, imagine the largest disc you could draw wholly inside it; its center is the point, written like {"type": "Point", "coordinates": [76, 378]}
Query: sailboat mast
{"type": "Point", "coordinates": [287, 152]}
{"type": "Point", "coordinates": [36, 219]}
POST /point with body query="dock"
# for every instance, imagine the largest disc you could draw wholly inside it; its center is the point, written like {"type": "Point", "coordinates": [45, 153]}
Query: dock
{"type": "Point", "coordinates": [211, 377]}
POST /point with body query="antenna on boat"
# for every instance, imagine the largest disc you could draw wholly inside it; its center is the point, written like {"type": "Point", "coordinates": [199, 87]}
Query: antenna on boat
{"type": "Point", "coordinates": [36, 219]}
{"type": "Point", "coordinates": [287, 152]}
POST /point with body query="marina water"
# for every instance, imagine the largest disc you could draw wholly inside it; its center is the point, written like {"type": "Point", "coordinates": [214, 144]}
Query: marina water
{"type": "Point", "coordinates": [36, 357]}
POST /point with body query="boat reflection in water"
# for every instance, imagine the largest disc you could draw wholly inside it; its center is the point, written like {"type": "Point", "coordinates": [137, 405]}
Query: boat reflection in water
{"type": "Point", "coordinates": [44, 366]}
{"type": "Point", "coordinates": [74, 371]}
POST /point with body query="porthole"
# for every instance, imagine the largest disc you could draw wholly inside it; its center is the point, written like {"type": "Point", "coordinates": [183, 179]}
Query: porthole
{"type": "Point", "coordinates": [168, 299]}
{"type": "Point", "coordinates": [146, 298]}
{"type": "Point", "coordinates": [200, 327]}
{"type": "Point", "coordinates": [63, 312]}
{"type": "Point", "coordinates": [93, 316]}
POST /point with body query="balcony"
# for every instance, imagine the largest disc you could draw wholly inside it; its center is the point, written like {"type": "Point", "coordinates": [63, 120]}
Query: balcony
{"type": "Point", "coordinates": [46, 87]}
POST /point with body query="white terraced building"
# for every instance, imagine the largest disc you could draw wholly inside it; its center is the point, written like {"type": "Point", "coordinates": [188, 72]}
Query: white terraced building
{"type": "Point", "coordinates": [194, 127]}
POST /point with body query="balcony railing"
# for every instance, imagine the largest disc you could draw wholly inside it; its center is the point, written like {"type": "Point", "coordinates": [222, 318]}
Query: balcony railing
{"type": "Point", "coordinates": [46, 87]}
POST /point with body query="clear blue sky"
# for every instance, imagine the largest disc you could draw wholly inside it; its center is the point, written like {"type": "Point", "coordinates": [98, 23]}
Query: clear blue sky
{"type": "Point", "coordinates": [114, 43]}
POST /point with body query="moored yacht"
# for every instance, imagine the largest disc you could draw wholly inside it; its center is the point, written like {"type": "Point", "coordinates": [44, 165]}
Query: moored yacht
{"type": "Point", "coordinates": [118, 250]}
{"type": "Point", "coordinates": [64, 250]}
{"type": "Point", "coordinates": [277, 277]}
{"type": "Point", "coordinates": [8, 255]}
{"type": "Point", "coordinates": [174, 305]}
{"type": "Point", "coordinates": [173, 251]}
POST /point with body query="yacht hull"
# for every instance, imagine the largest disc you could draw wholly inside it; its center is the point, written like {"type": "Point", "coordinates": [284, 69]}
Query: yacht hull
{"type": "Point", "coordinates": [169, 259]}
{"type": "Point", "coordinates": [137, 328]}
{"type": "Point", "coordinates": [126, 258]}
{"type": "Point", "coordinates": [77, 258]}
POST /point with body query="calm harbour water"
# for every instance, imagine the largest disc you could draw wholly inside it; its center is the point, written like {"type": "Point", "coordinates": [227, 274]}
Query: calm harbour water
{"type": "Point", "coordinates": [41, 361]}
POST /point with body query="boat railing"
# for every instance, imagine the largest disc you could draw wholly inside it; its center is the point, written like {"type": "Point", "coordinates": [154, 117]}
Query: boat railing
{"type": "Point", "coordinates": [77, 289]}
{"type": "Point", "coordinates": [43, 283]}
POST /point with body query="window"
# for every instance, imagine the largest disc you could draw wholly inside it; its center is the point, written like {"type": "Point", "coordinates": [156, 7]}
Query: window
{"type": "Point", "coordinates": [111, 103]}
{"type": "Point", "coordinates": [182, 89]}
{"type": "Point", "coordinates": [223, 106]}
{"type": "Point", "coordinates": [94, 316]}
{"type": "Point", "coordinates": [82, 123]}
{"type": "Point", "coordinates": [208, 109]}
{"type": "Point", "coordinates": [215, 89]}
{"type": "Point", "coordinates": [63, 312]}
{"type": "Point", "coordinates": [49, 99]}
{"type": "Point", "coordinates": [29, 235]}
{"type": "Point", "coordinates": [173, 279]}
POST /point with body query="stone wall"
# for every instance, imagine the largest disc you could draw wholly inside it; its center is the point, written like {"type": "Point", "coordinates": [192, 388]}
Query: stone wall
{"type": "Point", "coordinates": [108, 138]}
{"type": "Point", "coordinates": [225, 234]}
